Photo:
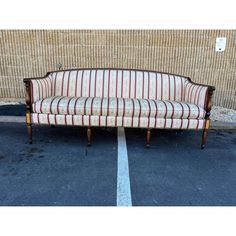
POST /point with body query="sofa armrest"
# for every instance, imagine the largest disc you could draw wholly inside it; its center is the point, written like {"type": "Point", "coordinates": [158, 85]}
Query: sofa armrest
{"type": "Point", "coordinates": [199, 94]}
{"type": "Point", "coordinates": [37, 88]}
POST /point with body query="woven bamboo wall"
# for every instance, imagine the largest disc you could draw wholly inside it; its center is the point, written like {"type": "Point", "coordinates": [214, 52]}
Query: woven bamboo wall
{"type": "Point", "coordinates": [29, 53]}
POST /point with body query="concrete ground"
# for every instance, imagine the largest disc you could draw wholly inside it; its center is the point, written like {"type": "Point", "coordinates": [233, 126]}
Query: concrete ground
{"type": "Point", "coordinates": [58, 168]}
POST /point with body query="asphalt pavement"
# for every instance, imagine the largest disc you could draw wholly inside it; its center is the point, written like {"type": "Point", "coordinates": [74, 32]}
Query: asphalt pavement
{"type": "Point", "coordinates": [58, 169]}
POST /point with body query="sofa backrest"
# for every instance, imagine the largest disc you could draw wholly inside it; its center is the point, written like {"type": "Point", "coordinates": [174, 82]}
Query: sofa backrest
{"type": "Point", "coordinates": [118, 83]}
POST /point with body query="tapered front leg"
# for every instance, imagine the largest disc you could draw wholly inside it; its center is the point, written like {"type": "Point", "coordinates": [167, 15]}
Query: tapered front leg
{"type": "Point", "coordinates": [148, 138]}
{"type": "Point", "coordinates": [204, 137]}
{"type": "Point", "coordinates": [89, 136]}
{"type": "Point", "coordinates": [29, 128]}
{"type": "Point", "coordinates": [205, 132]}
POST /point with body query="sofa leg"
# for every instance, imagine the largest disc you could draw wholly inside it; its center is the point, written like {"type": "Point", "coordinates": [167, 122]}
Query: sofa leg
{"type": "Point", "coordinates": [89, 136]}
{"type": "Point", "coordinates": [148, 138]}
{"type": "Point", "coordinates": [204, 137]}
{"type": "Point", "coordinates": [29, 128]}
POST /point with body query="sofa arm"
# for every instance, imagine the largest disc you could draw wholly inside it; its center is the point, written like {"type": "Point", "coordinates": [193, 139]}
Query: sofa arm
{"type": "Point", "coordinates": [37, 88]}
{"type": "Point", "coordinates": [199, 94]}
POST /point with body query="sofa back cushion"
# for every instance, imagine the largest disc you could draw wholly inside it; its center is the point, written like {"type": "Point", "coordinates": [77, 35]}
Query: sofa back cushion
{"type": "Point", "coordinates": [118, 83]}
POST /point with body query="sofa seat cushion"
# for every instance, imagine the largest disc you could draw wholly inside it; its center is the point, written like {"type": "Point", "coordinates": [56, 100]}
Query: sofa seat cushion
{"type": "Point", "coordinates": [126, 107]}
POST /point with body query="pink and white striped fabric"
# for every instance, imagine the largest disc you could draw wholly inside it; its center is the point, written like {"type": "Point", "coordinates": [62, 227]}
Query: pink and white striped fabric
{"type": "Point", "coordinates": [117, 121]}
{"type": "Point", "coordinates": [127, 107]}
{"type": "Point", "coordinates": [41, 88]}
{"type": "Point", "coordinates": [111, 93]}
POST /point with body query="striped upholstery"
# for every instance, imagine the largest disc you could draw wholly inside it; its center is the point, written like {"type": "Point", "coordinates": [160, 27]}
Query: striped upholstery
{"type": "Point", "coordinates": [41, 88]}
{"type": "Point", "coordinates": [126, 107]}
{"type": "Point", "coordinates": [118, 83]}
{"type": "Point", "coordinates": [131, 94]}
{"type": "Point", "coordinates": [118, 121]}
{"type": "Point", "coordinates": [195, 94]}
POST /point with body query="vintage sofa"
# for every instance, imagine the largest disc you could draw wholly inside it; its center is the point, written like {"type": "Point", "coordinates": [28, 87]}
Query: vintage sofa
{"type": "Point", "coordinates": [118, 98]}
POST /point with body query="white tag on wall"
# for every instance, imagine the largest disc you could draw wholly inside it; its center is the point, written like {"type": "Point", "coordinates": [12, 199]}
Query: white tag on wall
{"type": "Point", "coordinates": [220, 44]}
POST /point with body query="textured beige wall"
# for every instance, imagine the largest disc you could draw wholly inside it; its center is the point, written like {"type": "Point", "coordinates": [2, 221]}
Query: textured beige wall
{"type": "Point", "coordinates": [29, 53]}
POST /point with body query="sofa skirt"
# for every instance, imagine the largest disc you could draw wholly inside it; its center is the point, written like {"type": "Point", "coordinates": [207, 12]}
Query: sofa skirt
{"type": "Point", "coordinates": [111, 121]}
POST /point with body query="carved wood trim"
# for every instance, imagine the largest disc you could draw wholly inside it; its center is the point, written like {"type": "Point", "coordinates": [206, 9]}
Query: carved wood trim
{"type": "Point", "coordinates": [208, 107]}
{"type": "Point", "coordinates": [28, 101]}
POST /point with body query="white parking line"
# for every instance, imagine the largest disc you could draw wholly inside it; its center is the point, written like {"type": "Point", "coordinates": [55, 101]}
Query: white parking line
{"type": "Point", "coordinates": [123, 182]}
